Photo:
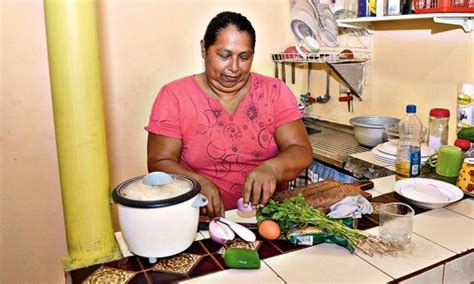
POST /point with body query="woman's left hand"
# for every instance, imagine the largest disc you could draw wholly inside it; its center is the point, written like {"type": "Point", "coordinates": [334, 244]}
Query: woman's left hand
{"type": "Point", "coordinates": [260, 185]}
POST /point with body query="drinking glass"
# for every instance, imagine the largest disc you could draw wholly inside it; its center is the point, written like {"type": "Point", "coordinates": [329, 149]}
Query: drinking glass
{"type": "Point", "coordinates": [396, 223]}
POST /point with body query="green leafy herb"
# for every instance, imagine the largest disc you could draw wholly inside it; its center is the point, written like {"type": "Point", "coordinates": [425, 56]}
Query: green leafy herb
{"type": "Point", "coordinates": [296, 212]}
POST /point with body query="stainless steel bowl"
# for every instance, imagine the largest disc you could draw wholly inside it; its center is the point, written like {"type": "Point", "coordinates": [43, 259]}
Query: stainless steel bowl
{"type": "Point", "coordinates": [369, 130]}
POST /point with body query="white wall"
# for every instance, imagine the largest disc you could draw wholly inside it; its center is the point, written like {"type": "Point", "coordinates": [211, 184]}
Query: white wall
{"type": "Point", "coordinates": [144, 45]}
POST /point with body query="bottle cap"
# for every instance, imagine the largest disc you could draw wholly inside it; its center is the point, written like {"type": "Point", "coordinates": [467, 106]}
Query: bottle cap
{"type": "Point", "coordinates": [411, 108]}
{"type": "Point", "coordinates": [464, 144]}
{"type": "Point", "coordinates": [439, 112]}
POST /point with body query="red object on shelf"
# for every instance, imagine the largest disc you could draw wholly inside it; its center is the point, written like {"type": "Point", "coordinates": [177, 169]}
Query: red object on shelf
{"type": "Point", "coordinates": [444, 6]}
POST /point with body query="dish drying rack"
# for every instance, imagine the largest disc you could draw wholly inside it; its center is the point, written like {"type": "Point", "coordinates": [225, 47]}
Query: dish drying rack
{"type": "Point", "coordinates": [351, 71]}
{"type": "Point", "coordinates": [324, 56]}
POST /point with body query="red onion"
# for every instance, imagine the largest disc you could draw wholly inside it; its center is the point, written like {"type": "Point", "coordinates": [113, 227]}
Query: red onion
{"type": "Point", "coordinates": [220, 232]}
{"type": "Point", "coordinates": [241, 206]}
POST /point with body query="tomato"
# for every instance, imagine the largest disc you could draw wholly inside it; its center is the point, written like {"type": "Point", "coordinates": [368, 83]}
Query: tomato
{"type": "Point", "coordinates": [269, 230]}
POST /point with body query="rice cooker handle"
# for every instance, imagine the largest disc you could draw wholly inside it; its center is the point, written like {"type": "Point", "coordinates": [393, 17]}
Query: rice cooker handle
{"type": "Point", "coordinates": [200, 201]}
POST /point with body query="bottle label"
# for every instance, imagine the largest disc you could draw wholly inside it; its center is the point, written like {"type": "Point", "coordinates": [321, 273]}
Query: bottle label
{"type": "Point", "coordinates": [415, 161]}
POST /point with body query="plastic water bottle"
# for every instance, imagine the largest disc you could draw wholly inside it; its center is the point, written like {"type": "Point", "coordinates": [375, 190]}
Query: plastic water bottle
{"type": "Point", "coordinates": [408, 161]}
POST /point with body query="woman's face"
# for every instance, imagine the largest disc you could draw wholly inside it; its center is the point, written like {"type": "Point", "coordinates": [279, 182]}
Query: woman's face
{"type": "Point", "coordinates": [228, 60]}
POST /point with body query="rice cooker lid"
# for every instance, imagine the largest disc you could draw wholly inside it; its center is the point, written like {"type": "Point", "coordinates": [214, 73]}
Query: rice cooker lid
{"type": "Point", "coordinates": [135, 193]}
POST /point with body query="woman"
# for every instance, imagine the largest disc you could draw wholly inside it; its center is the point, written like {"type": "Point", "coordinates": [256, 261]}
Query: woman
{"type": "Point", "coordinates": [238, 133]}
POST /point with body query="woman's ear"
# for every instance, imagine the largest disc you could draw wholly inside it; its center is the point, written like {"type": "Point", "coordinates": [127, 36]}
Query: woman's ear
{"type": "Point", "coordinates": [203, 50]}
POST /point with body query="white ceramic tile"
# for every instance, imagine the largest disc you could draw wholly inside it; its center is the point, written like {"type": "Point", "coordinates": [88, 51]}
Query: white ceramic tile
{"type": "Point", "coordinates": [262, 275]}
{"type": "Point", "coordinates": [205, 234]}
{"type": "Point", "coordinates": [373, 193]}
{"type": "Point", "coordinates": [446, 228]}
{"type": "Point", "coordinates": [420, 254]}
{"type": "Point", "coordinates": [234, 216]}
{"type": "Point", "coordinates": [199, 236]}
{"type": "Point", "coordinates": [122, 244]}
{"type": "Point", "coordinates": [432, 276]}
{"type": "Point", "coordinates": [460, 270]}
{"type": "Point", "coordinates": [464, 207]}
{"type": "Point", "coordinates": [384, 184]}
{"type": "Point", "coordinates": [325, 263]}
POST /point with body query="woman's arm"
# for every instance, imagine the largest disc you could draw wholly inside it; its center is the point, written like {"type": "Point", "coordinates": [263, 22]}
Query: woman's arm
{"type": "Point", "coordinates": [295, 155]}
{"type": "Point", "coordinates": [163, 154]}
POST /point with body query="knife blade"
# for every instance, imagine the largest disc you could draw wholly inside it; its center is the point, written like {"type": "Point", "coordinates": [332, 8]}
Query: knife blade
{"type": "Point", "coordinates": [240, 230]}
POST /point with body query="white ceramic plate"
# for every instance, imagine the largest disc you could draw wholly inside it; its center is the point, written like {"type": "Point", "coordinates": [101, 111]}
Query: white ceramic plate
{"type": "Point", "coordinates": [390, 158]}
{"type": "Point", "coordinates": [391, 149]}
{"type": "Point", "coordinates": [428, 193]}
{"type": "Point", "coordinates": [303, 20]}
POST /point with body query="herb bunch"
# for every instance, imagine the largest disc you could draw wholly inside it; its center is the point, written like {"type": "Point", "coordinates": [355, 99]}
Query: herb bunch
{"type": "Point", "coordinates": [296, 212]}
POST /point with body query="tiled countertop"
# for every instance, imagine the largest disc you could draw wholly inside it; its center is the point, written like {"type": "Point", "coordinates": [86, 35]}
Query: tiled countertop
{"type": "Point", "coordinates": [441, 251]}
{"type": "Point", "coordinates": [442, 243]}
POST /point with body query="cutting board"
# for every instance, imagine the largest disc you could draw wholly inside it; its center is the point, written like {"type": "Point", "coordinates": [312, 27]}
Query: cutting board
{"type": "Point", "coordinates": [327, 192]}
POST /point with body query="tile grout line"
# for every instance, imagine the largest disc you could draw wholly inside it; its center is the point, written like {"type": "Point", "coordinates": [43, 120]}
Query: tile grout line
{"type": "Point", "coordinates": [279, 276]}
{"type": "Point", "coordinates": [434, 242]}
{"type": "Point", "coordinates": [373, 265]}
{"type": "Point", "coordinates": [458, 213]}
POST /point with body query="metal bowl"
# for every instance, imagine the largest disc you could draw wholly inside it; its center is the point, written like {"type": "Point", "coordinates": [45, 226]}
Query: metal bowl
{"type": "Point", "coordinates": [369, 130]}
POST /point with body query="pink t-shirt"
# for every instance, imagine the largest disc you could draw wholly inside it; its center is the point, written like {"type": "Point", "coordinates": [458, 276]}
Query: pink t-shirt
{"type": "Point", "coordinates": [220, 146]}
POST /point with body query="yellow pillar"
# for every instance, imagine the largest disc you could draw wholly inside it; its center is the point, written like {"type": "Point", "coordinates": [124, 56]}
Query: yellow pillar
{"type": "Point", "coordinates": [73, 50]}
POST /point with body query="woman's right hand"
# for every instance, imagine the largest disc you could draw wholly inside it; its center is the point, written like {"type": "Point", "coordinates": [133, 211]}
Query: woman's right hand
{"type": "Point", "coordinates": [215, 206]}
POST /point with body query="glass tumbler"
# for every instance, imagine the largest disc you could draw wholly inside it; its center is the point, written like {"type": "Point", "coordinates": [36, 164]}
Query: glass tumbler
{"type": "Point", "coordinates": [396, 223]}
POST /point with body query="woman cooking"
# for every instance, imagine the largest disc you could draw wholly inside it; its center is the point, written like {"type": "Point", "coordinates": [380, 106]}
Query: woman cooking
{"type": "Point", "coordinates": [237, 133]}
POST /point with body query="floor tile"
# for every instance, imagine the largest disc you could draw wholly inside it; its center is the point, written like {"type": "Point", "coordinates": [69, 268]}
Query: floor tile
{"type": "Point", "coordinates": [432, 276]}
{"type": "Point", "coordinates": [464, 207]}
{"type": "Point", "coordinates": [446, 228]}
{"type": "Point", "coordinates": [422, 253]}
{"type": "Point", "coordinates": [323, 263]}
{"type": "Point", "coordinates": [460, 270]}
{"type": "Point", "coordinates": [262, 275]}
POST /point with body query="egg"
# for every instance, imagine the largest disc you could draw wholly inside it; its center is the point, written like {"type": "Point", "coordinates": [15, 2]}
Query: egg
{"type": "Point", "coordinates": [269, 230]}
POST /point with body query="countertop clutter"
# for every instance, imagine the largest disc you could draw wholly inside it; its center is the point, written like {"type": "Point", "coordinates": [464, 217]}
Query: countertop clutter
{"type": "Point", "coordinates": [434, 256]}
{"type": "Point", "coordinates": [441, 249]}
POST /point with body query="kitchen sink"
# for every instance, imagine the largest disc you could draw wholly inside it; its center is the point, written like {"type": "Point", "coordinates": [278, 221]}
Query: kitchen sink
{"type": "Point", "coordinates": [312, 130]}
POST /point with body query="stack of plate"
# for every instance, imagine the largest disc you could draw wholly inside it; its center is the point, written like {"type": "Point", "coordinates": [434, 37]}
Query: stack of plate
{"type": "Point", "coordinates": [310, 18]}
{"type": "Point", "coordinates": [387, 153]}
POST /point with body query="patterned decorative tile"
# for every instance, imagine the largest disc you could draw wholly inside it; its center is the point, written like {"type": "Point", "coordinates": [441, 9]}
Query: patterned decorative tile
{"type": "Point", "coordinates": [208, 264]}
{"type": "Point", "coordinates": [109, 275]}
{"type": "Point", "coordinates": [182, 263]}
{"type": "Point", "coordinates": [238, 243]}
{"type": "Point", "coordinates": [130, 263]}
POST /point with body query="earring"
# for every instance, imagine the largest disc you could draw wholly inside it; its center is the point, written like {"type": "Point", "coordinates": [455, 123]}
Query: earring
{"type": "Point", "coordinates": [203, 66]}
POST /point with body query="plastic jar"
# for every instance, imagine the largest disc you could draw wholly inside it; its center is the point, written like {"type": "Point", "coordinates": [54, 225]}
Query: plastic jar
{"type": "Point", "coordinates": [438, 128]}
{"type": "Point", "coordinates": [465, 109]}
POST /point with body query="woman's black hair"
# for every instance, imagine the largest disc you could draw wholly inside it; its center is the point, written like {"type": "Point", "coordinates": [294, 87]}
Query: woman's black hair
{"type": "Point", "coordinates": [222, 21]}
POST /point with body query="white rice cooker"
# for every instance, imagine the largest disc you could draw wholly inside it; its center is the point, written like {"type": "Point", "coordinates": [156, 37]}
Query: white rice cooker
{"type": "Point", "coordinates": [158, 213]}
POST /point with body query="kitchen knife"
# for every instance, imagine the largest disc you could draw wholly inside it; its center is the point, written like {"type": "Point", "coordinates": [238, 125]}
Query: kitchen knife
{"type": "Point", "coordinates": [240, 230]}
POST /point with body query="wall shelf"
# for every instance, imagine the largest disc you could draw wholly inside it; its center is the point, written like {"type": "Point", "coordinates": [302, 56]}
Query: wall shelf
{"type": "Point", "coordinates": [465, 20]}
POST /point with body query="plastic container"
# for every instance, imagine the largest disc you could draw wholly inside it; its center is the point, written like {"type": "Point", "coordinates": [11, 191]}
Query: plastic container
{"type": "Point", "coordinates": [408, 162]}
{"type": "Point", "coordinates": [465, 106]}
{"type": "Point", "coordinates": [438, 128]}
{"type": "Point", "coordinates": [444, 6]}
